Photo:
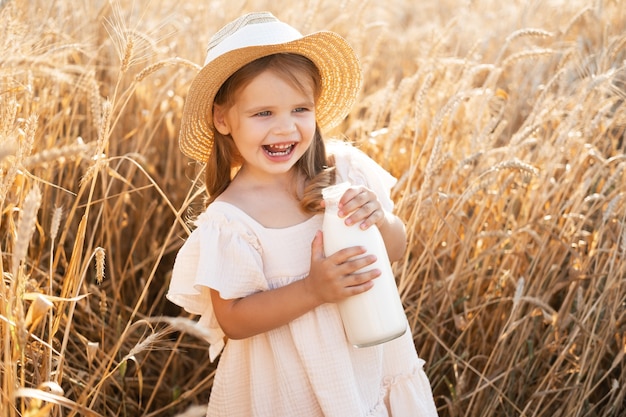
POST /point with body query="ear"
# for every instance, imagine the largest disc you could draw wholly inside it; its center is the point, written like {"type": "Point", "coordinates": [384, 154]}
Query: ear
{"type": "Point", "coordinates": [219, 120]}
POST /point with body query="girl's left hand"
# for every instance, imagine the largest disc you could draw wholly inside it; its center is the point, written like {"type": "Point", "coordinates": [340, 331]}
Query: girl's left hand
{"type": "Point", "coordinates": [362, 206]}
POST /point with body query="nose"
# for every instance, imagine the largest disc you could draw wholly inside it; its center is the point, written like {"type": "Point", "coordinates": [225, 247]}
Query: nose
{"type": "Point", "coordinates": [285, 125]}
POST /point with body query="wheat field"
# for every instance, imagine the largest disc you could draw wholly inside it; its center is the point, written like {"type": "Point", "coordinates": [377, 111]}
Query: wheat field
{"type": "Point", "coordinates": [505, 123]}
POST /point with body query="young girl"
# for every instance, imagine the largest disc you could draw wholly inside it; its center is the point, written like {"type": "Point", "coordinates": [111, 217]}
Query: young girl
{"type": "Point", "coordinates": [254, 267]}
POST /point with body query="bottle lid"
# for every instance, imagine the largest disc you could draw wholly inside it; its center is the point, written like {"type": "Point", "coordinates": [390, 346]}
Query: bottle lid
{"type": "Point", "coordinates": [333, 193]}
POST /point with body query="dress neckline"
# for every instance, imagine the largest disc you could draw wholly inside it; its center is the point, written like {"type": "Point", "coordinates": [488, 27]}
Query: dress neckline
{"type": "Point", "coordinates": [260, 225]}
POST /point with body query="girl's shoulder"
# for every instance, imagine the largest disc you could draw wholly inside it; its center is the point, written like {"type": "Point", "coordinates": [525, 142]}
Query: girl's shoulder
{"type": "Point", "coordinates": [340, 148]}
{"type": "Point", "coordinates": [221, 213]}
{"type": "Point", "coordinates": [215, 212]}
{"type": "Point", "coordinates": [222, 222]}
{"type": "Point", "coordinates": [350, 156]}
{"type": "Point", "coordinates": [356, 166]}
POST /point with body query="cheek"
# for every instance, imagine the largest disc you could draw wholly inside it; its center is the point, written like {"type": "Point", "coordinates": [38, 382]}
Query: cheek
{"type": "Point", "coordinates": [310, 127]}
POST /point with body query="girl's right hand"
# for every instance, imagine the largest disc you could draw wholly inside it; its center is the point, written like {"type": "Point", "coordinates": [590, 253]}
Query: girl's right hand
{"type": "Point", "coordinates": [334, 278]}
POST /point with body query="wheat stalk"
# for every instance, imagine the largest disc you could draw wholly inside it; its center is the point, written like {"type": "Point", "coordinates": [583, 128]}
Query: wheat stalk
{"type": "Point", "coordinates": [163, 63]}
{"type": "Point", "coordinates": [522, 33]}
{"type": "Point", "coordinates": [610, 208]}
{"type": "Point", "coordinates": [25, 228]}
{"type": "Point", "coordinates": [99, 256]}
{"type": "Point", "coordinates": [530, 54]}
{"type": "Point", "coordinates": [55, 223]}
{"type": "Point", "coordinates": [58, 154]}
{"type": "Point", "coordinates": [182, 324]}
{"type": "Point", "coordinates": [576, 19]}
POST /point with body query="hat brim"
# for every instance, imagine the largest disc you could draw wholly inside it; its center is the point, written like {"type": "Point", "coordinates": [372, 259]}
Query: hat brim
{"type": "Point", "coordinates": [340, 75]}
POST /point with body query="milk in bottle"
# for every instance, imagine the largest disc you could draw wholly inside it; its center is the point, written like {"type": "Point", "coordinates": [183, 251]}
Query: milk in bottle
{"type": "Point", "coordinates": [377, 315]}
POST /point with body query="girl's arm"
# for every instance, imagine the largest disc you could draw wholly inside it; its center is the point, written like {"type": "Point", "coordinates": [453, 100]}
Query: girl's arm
{"type": "Point", "coordinates": [394, 234]}
{"type": "Point", "coordinates": [330, 279]}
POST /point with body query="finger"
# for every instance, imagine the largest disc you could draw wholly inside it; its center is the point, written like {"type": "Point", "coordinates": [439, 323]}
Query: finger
{"type": "Point", "coordinates": [363, 213]}
{"type": "Point", "coordinates": [375, 217]}
{"type": "Point", "coordinates": [352, 200]}
{"type": "Point", "coordinates": [362, 282]}
{"type": "Point", "coordinates": [348, 196]}
{"type": "Point", "coordinates": [360, 262]}
{"type": "Point", "coordinates": [317, 246]}
{"type": "Point", "coordinates": [358, 289]}
{"type": "Point", "coordinates": [344, 255]}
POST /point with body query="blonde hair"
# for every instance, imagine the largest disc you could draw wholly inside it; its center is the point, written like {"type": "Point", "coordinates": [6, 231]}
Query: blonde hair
{"type": "Point", "coordinates": [317, 169]}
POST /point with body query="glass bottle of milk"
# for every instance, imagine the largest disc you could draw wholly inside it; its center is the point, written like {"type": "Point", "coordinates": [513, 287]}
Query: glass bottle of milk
{"type": "Point", "coordinates": [377, 315]}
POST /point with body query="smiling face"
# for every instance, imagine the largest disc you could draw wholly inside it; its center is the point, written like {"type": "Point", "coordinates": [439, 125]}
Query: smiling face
{"type": "Point", "coordinates": [271, 120]}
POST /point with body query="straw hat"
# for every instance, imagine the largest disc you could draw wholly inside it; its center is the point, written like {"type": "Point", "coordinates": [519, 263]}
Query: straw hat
{"type": "Point", "coordinates": [254, 36]}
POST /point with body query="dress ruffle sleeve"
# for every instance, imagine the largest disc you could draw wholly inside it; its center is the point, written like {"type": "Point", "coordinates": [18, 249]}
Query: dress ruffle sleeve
{"type": "Point", "coordinates": [354, 166]}
{"type": "Point", "coordinates": [219, 254]}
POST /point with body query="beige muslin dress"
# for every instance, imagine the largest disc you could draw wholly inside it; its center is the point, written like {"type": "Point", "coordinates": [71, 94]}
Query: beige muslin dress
{"type": "Point", "coordinates": [305, 368]}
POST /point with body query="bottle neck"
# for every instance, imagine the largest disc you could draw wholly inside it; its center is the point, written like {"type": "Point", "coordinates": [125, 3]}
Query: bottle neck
{"type": "Point", "coordinates": [331, 207]}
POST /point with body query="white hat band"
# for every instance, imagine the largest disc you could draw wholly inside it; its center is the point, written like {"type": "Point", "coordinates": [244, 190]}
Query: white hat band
{"type": "Point", "coordinates": [268, 33]}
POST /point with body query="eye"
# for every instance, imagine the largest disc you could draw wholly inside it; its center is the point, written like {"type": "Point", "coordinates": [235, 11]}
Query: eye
{"type": "Point", "coordinates": [263, 113]}
{"type": "Point", "coordinates": [301, 109]}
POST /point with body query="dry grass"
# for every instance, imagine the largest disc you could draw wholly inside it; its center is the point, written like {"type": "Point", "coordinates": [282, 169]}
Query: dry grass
{"type": "Point", "coordinates": [505, 123]}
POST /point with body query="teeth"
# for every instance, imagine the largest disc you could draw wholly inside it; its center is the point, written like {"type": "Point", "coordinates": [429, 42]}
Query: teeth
{"type": "Point", "coordinates": [278, 149]}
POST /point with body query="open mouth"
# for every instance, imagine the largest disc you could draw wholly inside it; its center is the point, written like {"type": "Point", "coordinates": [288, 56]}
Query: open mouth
{"type": "Point", "coordinates": [279, 149]}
